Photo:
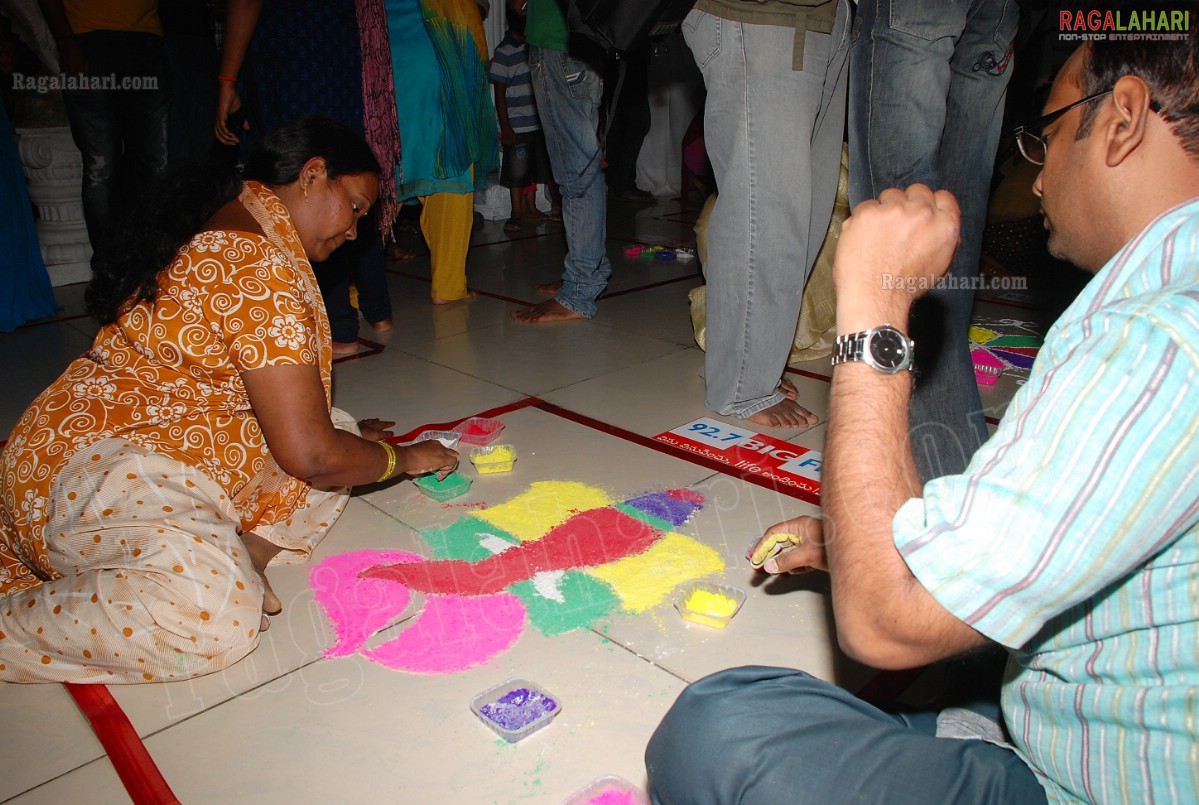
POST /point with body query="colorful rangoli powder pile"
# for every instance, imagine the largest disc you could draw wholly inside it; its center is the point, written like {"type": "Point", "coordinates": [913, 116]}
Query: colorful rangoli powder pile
{"type": "Point", "coordinates": [519, 708]}
{"type": "Point", "coordinates": [713, 604]}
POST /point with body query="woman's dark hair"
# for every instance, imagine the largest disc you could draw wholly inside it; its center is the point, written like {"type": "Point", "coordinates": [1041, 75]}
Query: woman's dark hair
{"type": "Point", "coordinates": [146, 239]}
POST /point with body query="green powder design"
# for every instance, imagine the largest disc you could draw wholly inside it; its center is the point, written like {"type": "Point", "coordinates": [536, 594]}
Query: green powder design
{"type": "Point", "coordinates": [462, 539]}
{"type": "Point", "coordinates": [585, 599]}
{"type": "Point", "coordinates": [645, 517]}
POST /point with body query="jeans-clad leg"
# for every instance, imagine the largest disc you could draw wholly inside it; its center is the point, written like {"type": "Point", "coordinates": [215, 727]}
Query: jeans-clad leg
{"type": "Point", "coordinates": [360, 262]}
{"type": "Point", "coordinates": [928, 82]}
{"type": "Point", "coordinates": [774, 138]}
{"type": "Point", "coordinates": [774, 735]}
{"type": "Point", "coordinates": [568, 95]}
{"type": "Point", "coordinates": [121, 132]}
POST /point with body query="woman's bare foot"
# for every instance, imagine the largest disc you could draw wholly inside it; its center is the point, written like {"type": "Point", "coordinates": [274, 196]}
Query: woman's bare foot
{"type": "Point", "coordinates": [469, 295]}
{"type": "Point", "coordinates": [547, 311]}
{"type": "Point", "coordinates": [381, 326]}
{"type": "Point", "coordinates": [345, 347]}
{"type": "Point", "coordinates": [784, 414]}
{"type": "Point", "coordinates": [261, 553]}
{"type": "Point", "coordinates": [404, 254]}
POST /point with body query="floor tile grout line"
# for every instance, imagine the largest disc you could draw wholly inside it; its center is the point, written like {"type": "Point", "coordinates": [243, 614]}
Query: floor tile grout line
{"type": "Point", "coordinates": [612, 295]}
{"type": "Point", "coordinates": [527, 303]}
{"type": "Point", "coordinates": [641, 657]}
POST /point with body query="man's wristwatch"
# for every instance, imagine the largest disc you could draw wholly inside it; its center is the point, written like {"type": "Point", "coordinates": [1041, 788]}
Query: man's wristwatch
{"type": "Point", "coordinates": [884, 348]}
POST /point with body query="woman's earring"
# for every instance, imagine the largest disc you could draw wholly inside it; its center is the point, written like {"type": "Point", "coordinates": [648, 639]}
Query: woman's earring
{"type": "Point", "coordinates": [304, 187]}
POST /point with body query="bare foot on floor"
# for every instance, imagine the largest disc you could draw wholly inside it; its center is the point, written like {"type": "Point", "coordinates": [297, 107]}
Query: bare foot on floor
{"type": "Point", "coordinates": [784, 414]}
{"type": "Point", "coordinates": [261, 553]}
{"type": "Point", "coordinates": [382, 326]}
{"type": "Point", "coordinates": [469, 295]}
{"type": "Point", "coordinates": [547, 311]}
{"type": "Point", "coordinates": [345, 347]}
{"type": "Point", "coordinates": [547, 288]}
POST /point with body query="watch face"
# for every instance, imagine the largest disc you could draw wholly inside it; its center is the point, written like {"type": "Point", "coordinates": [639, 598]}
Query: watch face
{"type": "Point", "coordinates": [888, 348]}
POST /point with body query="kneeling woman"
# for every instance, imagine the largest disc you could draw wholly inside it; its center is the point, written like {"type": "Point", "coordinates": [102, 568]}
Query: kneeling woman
{"type": "Point", "coordinates": [144, 492]}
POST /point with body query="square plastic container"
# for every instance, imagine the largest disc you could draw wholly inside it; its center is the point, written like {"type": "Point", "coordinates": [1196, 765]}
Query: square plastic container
{"type": "Point", "coordinates": [478, 430]}
{"type": "Point", "coordinates": [515, 709]}
{"type": "Point", "coordinates": [493, 458]}
{"type": "Point", "coordinates": [451, 486]}
{"type": "Point", "coordinates": [709, 603]}
{"type": "Point", "coordinates": [449, 438]}
{"type": "Point", "coordinates": [608, 790]}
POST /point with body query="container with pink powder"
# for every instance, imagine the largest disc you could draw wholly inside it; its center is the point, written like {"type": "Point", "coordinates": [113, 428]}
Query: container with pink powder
{"type": "Point", "coordinates": [479, 430]}
{"type": "Point", "coordinates": [608, 790]}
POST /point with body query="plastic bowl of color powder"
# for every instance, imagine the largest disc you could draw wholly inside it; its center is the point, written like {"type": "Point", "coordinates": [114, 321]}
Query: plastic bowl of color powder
{"type": "Point", "coordinates": [448, 438]}
{"type": "Point", "coordinates": [479, 430]}
{"type": "Point", "coordinates": [451, 486]}
{"type": "Point", "coordinates": [608, 790]}
{"type": "Point", "coordinates": [515, 709]}
{"type": "Point", "coordinates": [709, 603]}
{"type": "Point", "coordinates": [493, 458]}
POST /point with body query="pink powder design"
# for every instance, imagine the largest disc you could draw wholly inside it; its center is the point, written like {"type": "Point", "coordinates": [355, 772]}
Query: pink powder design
{"type": "Point", "coordinates": [595, 537]}
{"type": "Point", "coordinates": [453, 634]}
{"type": "Point", "coordinates": [357, 607]}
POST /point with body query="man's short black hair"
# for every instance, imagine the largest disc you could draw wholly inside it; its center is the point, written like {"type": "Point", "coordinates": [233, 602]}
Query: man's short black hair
{"type": "Point", "coordinates": [1170, 68]}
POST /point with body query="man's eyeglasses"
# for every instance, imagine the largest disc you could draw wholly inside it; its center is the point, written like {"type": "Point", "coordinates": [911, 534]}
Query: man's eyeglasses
{"type": "Point", "coordinates": [1031, 145]}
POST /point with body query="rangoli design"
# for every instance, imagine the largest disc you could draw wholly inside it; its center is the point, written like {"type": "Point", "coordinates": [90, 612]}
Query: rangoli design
{"type": "Point", "coordinates": [559, 556]}
{"type": "Point", "coordinates": [995, 349]}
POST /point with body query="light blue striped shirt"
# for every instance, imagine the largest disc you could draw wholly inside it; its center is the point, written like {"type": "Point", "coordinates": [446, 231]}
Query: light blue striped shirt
{"type": "Point", "coordinates": [1072, 538]}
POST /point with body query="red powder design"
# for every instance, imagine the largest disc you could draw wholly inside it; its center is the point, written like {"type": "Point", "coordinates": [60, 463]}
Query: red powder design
{"type": "Point", "coordinates": [589, 539]}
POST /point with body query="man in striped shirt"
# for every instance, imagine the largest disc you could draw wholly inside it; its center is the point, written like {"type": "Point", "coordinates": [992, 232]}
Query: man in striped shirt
{"type": "Point", "coordinates": [1072, 538]}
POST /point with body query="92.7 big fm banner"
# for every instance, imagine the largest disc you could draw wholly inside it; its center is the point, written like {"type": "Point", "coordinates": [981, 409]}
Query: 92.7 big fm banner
{"type": "Point", "coordinates": [787, 465]}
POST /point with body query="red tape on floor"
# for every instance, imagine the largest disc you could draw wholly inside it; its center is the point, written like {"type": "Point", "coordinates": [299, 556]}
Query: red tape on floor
{"type": "Point", "coordinates": [132, 762]}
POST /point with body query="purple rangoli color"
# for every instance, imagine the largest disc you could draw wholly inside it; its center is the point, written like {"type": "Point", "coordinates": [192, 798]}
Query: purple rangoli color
{"type": "Point", "coordinates": [518, 708]}
{"type": "Point", "coordinates": [674, 506]}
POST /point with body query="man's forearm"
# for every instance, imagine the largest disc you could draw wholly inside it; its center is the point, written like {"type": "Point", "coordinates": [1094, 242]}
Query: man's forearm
{"type": "Point", "coordinates": [241, 18]}
{"type": "Point", "coordinates": [885, 617]}
{"type": "Point", "coordinates": [869, 473]}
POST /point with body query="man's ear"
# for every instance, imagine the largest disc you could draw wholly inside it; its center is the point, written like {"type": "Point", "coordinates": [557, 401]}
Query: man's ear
{"type": "Point", "coordinates": [1125, 130]}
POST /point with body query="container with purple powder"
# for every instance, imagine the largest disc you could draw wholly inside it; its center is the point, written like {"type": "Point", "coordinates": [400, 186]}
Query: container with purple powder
{"type": "Point", "coordinates": [515, 709]}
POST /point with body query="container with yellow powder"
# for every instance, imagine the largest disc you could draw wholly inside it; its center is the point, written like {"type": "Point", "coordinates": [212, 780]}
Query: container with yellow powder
{"type": "Point", "coordinates": [493, 458]}
{"type": "Point", "coordinates": [709, 603]}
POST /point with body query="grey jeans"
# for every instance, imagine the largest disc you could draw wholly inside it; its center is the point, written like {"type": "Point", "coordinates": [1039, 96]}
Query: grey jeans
{"type": "Point", "coordinates": [774, 735]}
{"type": "Point", "coordinates": [774, 137]}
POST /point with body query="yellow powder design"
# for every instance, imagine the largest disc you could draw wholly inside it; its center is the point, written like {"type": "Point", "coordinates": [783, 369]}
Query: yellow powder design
{"type": "Point", "coordinates": [529, 515]}
{"type": "Point", "coordinates": [645, 580]}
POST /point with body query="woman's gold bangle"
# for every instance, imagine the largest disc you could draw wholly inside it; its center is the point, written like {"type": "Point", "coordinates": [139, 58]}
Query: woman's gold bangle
{"type": "Point", "coordinates": [391, 462]}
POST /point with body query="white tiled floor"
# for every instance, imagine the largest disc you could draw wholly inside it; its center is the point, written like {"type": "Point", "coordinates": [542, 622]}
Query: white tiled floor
{"type": "Point", "coordinates": [286, 725]}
